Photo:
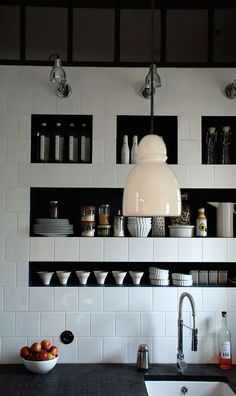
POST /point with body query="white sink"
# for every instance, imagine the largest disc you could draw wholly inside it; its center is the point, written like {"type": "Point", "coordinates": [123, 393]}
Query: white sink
{"type": "Point", "coordinates": [192, 388]}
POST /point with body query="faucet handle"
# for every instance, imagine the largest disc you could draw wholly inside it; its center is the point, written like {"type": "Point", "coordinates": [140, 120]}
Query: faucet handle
{"type": "Point", "coordinates": [194, 339]}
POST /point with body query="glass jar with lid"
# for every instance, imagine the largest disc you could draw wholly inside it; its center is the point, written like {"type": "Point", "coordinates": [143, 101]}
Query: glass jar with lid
{"type": "Point", "coordinates": [87, 228]}
{"type": "Point", "coordinates": [104, 230]}
{"type": "Point", "coordinates": [104, 214]}
{"type": "Point", "coordinates": [87, 213]}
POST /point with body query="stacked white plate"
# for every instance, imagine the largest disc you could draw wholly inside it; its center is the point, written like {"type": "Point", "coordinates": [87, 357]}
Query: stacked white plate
{"type": "Point", "coordinates": [159, 276]}
{"type": "Point", "coordinates": [182, 279]}
{"type": "Point", "coordinates": [52, 227]}
{"type": "Point", "coordinates": [139, 226]}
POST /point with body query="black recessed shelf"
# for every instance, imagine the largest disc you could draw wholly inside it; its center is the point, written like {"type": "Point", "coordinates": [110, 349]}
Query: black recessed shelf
{"type": "Point", "coordinates": [181, 267]}
{"type": "Point", "coordinates": [82, 123]}
{"type": "Point", "coordinates": [218, 122]}
{"type": "Point", "coordinates": [71, 199]}
{"type": "Point", "coordinates": [165, 126]}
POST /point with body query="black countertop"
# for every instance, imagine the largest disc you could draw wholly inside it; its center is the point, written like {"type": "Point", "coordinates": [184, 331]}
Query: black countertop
{"type": "Point", "coordinates": [93, 379]}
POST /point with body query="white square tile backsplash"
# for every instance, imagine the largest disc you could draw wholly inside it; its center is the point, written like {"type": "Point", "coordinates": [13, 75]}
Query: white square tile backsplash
{"type": "Point", "coordinates": [108, 322]}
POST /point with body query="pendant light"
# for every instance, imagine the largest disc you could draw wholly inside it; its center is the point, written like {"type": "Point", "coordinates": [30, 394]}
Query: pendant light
{"type": "Point", "coordinates": [151, 188]}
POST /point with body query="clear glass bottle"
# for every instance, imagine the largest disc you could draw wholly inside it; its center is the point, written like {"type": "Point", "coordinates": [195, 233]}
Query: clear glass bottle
{"type": "Point", "coordinates": [125, 152]}
{"type": "Point", "coordinates": [73, 144]}
{"type": "Point", "coordinates": [59, 141]}
{"type": "Point", "coordinates": [134, 150]}
{"type": "Point", "coordinates": [225, 145]}
{"type": "Point", "coordinates": [201, 223]}
{"type": "Point", "coordinates": [211, 140]}
{"type": "Point", "coordinates": [53, 210]}
{"type": "Point", "coordinates": [85, 143]}
{"type": "Point", "coordinates": [43, 144]}
{"type": "Point", "coordinates": [225, 353]}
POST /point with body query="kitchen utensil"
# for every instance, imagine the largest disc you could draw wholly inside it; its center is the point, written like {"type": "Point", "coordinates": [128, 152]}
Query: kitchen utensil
{"type": "Point", "coordinates": [224, 219]}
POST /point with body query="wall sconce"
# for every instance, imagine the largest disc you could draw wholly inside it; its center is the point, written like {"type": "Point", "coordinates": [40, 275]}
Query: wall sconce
{"type": "Point", "coordinates": [146, 90]}
{"type": "Point", "coordinates": [58, 76]}
{"type": "Point", "coordinates": [230, 90]}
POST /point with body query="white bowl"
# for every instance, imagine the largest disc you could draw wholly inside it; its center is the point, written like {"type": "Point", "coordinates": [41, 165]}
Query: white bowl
{"type": "Point", "coordinates": [139, 230]}
{"type": "Point", "coordinates": [45, 277]}
{"type": "Point", "coordinates": [100, 276]}
{"type": "Point", "coordinates": [181, 231]}
{"type": "Point", "coordinates": [83, 276]}
{"type": "Point", "coordinates": [158, 276]}
{"type": "Point", "coordinates": [136, 276]}
{"type": "Point", "coordinates": [119, 276]}
{"type": "Point", "coordinates": [40, 367]}
{"type": "Point", "coordinates": [63, 276]}
{"type": "Point", "coordinates": [178, 282]}
{"type": "Point", "coordinates": [183, 277]}
{"type": "Point", "coordinates": [158, 271]}
{"type": "Point", "coordinates": [160, 282]}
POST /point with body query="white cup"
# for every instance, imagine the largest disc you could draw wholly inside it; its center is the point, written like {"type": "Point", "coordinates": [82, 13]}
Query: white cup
{"type": "Point", "coordinates": [63, 276]}
{"type": "Point", "coordinates": [119, 276]}
{"type": "Point", "coordinates": [100, 276]}
{"type": "Point", "coordinates": [45, 277]}
{"type": "Point", "coordinates": [83, 276]}
{"type": "Point", "coordinates": [136, 276]}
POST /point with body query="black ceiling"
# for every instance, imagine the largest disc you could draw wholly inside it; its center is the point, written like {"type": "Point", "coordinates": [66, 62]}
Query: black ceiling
{"type": "Point", "coordinates": [131, 4]}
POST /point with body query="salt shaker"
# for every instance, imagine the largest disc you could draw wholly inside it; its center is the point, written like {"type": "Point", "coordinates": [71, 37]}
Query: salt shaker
{"type": "Point", "coordinates": [118, 225]}
{"type": "Point", "coordinates": [143, 357]}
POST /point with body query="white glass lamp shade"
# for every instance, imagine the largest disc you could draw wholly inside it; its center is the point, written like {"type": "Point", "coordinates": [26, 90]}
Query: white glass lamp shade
{"type": "Point", "coordinates": [151, 188]}
{"type": "Point", "coordinates": [57, 74]}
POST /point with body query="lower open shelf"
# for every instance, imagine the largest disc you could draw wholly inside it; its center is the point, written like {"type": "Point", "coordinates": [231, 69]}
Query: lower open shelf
{"type": "Point", "coordinates": [127, 267]}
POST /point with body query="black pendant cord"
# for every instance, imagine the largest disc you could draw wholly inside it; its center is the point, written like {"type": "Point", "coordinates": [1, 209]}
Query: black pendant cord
{"type": "Point", "coordinates": [152, 63]}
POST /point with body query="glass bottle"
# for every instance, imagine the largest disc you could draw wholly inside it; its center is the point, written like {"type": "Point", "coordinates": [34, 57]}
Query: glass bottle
{"type": "Point", "coordinates": [201, 223]}
{"type": "Point", "coordinates": [43, 144]}
{"type": "Point", "coordinates": [58, 144]}
{"type": "Point", "coordinates": [84, 144]}
{"type": "Point", "coordinates": [125, 152]}
{"type": "Point", "coordinates": [225, 142]}
{"type": "Point", "coordinates": [53, 210]}
{"type": "Point", "coordinates": [134, 150]}
{"type": "Point", "coordinates": [225, 354]}
{"type": "Point", "coordinates": [211, 139]}
{"type": "Point", "coordinates": [73, 144]}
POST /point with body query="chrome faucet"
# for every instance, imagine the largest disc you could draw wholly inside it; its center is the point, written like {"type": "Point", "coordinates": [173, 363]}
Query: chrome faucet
{"type": "Point", "coordinates": [181, 365]}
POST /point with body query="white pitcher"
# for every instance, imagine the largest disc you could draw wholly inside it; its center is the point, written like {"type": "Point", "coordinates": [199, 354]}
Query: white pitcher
{"type": "Point", "coordinates": [225, 218]}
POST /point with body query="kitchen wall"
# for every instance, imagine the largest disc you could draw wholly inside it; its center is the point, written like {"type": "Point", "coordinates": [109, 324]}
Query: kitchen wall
{"type": "Point", "coordinates": [108, 323]}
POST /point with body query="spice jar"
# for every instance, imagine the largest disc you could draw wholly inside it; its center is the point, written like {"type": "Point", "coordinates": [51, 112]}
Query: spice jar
{"type": "Point", "coordinates": [104, 213]}
{"type": "Point", "coordinates": [87, 213]}
{"type": "Point", "coordinates": [87, 228]}
{"type": "Point", "coordinates": [104, 230]}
